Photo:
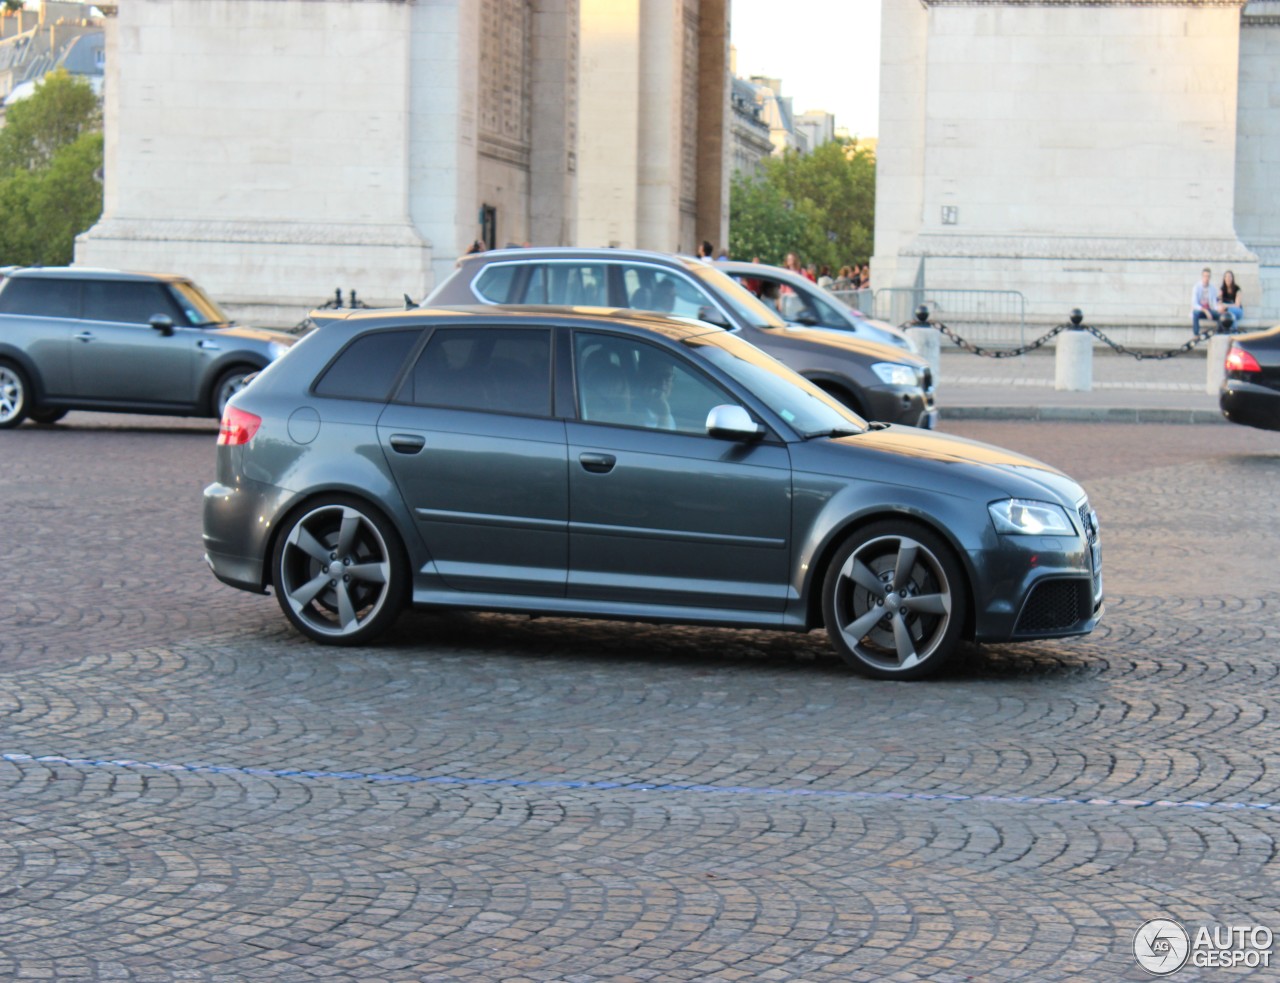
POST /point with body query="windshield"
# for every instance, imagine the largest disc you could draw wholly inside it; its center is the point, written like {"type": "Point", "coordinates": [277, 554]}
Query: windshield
{"type": "Point", "coordinates": [200, 310]}
{"type": "Point", "coordinates": [808, 410]}
{"type": "Point", "coordinates": [745, 307]}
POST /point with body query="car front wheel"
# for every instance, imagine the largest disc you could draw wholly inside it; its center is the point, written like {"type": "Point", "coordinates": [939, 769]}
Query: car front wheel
{"type": "Point", "coordinates": [894, 601]}
{"type": "Point", "coordinates": [15, 396]}
{"type": "Point", "coordinates": [339, 571]}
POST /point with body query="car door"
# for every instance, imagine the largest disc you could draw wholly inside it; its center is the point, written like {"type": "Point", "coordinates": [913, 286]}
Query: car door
{"type": "Point", "coordinates": [117, 355]}
{"type": "Point", "coordinates": [39, 316]}
{"type": "Point", "coordinates": [480, 462]}
{"type": "Point", "coordinates": [660, 513]}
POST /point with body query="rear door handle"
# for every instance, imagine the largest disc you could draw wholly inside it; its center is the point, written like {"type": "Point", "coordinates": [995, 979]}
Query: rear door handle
{"type": "Point", "coordinates": [85, 336]}
{"type": "Point", "coordinates": [407, 443]}
{"type": "Point", "coordinates": [597, 463]}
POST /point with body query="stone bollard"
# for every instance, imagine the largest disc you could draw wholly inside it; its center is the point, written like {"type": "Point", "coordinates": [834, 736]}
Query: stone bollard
{"type": "Point", "coordinates": [1215, 369]}
{"type": "Point", "coordinates": [1073, 360]}
{"type": "Point", "coordinates": [927, 340]}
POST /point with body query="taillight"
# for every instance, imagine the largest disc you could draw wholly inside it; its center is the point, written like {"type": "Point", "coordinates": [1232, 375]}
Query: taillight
{"type": "Point", "coordinates": [1239, 360]}
{"type": "Point", "coordinates": [237, 427]}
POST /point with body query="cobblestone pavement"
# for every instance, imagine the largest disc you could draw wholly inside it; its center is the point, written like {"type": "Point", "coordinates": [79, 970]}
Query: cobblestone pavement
{"type": "Point", "coordinates": [189, 790]}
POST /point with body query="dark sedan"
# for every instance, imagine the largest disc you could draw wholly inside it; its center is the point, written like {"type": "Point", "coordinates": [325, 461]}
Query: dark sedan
{"type": "Point", "coordinates": [1250, 393]}
{"type": "Point", "coordinates": [562, 462]}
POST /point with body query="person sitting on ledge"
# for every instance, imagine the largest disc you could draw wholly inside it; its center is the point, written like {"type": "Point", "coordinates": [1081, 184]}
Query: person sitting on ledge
{"type": "Point", "coordinates": [1203, 302]}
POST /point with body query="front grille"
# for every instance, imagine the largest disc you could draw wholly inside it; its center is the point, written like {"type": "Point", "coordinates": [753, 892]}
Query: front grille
{"type": "Point", "coordinates": [1056, 605]}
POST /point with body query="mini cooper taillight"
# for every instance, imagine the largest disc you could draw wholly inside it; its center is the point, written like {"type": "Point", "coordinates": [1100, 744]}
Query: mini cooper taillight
{"type": "Point", "coordinates": [237, 427]}
{"type": "Point", "coordinates": [1239, 360]}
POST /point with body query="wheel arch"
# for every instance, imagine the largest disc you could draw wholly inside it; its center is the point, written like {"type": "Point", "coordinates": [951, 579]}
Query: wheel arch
{"type": "Point", "coordinates": [840, 388]}
{"type": "Point", "coordinates": [840, 534]}
{"type": "Point", "coordinates": [9, 353]}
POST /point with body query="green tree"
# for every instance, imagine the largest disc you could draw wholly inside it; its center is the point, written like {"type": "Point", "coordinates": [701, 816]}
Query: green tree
{"type": "Point", "coordinates": [829, 200]}
{"type": "Point", "coordinates": [61, 108]}
{"type": "Point", "coordinates": [50, 161]}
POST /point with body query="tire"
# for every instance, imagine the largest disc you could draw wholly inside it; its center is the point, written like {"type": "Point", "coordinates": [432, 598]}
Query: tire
{"type": "Point", "coordinates": [894, 601]}
{"type": "Point", "coordinates": [339, 571]}
{"type": "Point", "coordinates": [228, 384]}
{"type": "Point", "coordinates": [41, 415]}
{"type": "Point", "coordinates": [15, 396]}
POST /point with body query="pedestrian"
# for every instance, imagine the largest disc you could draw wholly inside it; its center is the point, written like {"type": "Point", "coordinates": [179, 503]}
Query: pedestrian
{"type": "Point", "coordinates": [1229, 299]}
{"type": "Point", "coordinates": [1203, 302]}
{"type": "Point", "coordinates": [706, 251]}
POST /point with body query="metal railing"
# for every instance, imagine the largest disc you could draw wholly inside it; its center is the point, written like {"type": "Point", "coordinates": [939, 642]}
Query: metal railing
{"type": "Point", "coordinates": [859, 300]}
{"type": "Point", "coordinates": [998, 317]}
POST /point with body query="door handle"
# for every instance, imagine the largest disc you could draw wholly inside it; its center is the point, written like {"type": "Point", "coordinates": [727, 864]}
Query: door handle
{"type": "Point", "coordinates": [85, 336]}
{"type": "Point", "coordinates": [597, 463]}
{"type": "Point", "coordinates": [407, 443]}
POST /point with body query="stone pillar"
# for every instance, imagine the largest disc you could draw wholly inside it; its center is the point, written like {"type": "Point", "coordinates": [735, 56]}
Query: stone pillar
{"type": "Point", "coordinates": [1073, 362]}
{"type": "Point", "coordinates": [553, 177]}
{"type": "Point", "coordinates": [1215, 362]}
{"type": "Point", "coordinates": [259, 147]}
{"type": "Point", "coordinates": [608, 103]}
{"type": "Point", "coordinates": [714, 124]}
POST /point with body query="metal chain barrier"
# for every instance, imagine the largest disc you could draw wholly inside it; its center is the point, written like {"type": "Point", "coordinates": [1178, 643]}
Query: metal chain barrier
{"type": "Point", "coordinates": [1074, 324]}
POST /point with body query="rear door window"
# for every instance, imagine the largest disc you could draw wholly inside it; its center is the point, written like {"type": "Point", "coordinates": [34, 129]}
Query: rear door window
{"type": "Point", "coordinates": [665, 291]}
{"type": "Point", "coordinates": [40, 297]}
{"type": "Point", "coordinates": [500, 370]}
{"type": "Point", "coordinates": [129, 301]}
{"type": "Point", "coordinates": [369, 366]}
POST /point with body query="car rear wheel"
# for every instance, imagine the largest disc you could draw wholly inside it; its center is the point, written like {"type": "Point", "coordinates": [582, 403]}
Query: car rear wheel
{"type": "Point", "coordinates": [228, 384]}
{"type": "Point", "coordinates": [15, 395]}
{"type": "Point", "coordinates": [339, 571]}
{"type": "Point", "coordinates": [894, 600]}
{"type": "Point", "coordinates": [47, 416]}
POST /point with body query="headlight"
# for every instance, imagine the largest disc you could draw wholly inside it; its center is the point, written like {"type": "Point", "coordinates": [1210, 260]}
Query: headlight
{"type": "Point", "coordinates": [1023, 517]}
{"type": "Point", "coordinates": [893, 374]}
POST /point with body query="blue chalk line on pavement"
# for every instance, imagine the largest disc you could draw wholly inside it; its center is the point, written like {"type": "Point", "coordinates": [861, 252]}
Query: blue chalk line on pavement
{"type": "Point", "coordinates": [199, 768]}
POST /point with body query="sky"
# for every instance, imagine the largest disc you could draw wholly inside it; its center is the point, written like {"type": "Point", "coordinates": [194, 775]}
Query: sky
{"type": "Point", "coordinates": [826, 52]}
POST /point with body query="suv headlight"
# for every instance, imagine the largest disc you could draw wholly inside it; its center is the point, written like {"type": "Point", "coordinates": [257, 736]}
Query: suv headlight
{"type": "Point", "coordinates": [893, 374]}
{"type": "Point", "coordinates": [1020, 516]}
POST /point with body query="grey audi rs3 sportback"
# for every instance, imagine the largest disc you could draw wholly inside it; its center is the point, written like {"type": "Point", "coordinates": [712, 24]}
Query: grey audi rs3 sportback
{"type": "Point", "coordinates": [601, 463]}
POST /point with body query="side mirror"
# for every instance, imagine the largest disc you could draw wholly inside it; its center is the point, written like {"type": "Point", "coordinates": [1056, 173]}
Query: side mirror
{"type": "Point", "coordinates": [713, 316]}
{"type": "Point", "coordinates": [729, 422]}
{"type": "Point", "coordinates": [162, 323]}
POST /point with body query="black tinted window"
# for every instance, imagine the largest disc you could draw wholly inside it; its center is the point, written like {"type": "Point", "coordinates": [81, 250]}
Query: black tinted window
{"type": "Point", "coordinates": [40, 297]}
{"type": "Point", "coordinates": [129, 301]}
{"type": "Point", "coordinates": [506, 370]}
{"type": "Point", "coordinates": [367, 368]}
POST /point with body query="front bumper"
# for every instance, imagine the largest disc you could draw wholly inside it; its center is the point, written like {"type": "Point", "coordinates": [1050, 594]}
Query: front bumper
{"type": "Point", "coordinates": [908, 405]}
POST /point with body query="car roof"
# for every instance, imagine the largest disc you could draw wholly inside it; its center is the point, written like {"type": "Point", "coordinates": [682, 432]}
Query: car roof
{"type": "Point", "coordinates": [87, 273]}
{"type": "Point", "coordinates": [760, 269]}
{"type": "Point", "coordinates": [526, 253]}
{"type": "Point", "coordinates": [675, 328]}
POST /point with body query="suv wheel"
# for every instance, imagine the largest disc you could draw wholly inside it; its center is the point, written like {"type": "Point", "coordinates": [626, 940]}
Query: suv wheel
{"type": "Point", "coordinates": [228, 384]}
{"type": "Point", "coordinates": [15, 395]}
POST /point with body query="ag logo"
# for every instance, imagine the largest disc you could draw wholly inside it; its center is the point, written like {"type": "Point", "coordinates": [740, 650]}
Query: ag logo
{"type": "Point", "coordinates": [1161, 946]}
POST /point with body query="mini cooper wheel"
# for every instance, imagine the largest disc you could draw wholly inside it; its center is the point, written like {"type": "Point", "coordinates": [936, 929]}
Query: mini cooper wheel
{"type": "Point", "coordinates": [228, 384]}
{"type": "Point", "coordinates": [894, 601]}
{"type": "Point", "coordinates": [15, 396]}
{"type": "Point", "coordinates": [339, 571]}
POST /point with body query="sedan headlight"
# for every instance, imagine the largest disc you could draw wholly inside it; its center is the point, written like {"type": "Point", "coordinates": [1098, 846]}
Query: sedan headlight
{"type": "Point", "coordinates": [1021, 516]}
{"type": "Point", "coordinates": [893, 374]}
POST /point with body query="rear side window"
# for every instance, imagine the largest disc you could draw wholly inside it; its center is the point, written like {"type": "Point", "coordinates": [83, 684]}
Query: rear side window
{"type": "Point", "coordinates": [367, 368]}
{"type": "Point", "coordinates": [40, 297]}
{"type": "Point", "coordinates": [129, 301]}
{"type": "Point", "coordinates": [503, 370]}
{"type": "Point", "coordinates": [562, 283]}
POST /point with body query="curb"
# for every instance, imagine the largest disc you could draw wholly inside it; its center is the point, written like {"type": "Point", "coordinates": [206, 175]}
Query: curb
{"type": "Point", "coordinates": [1080, 414]}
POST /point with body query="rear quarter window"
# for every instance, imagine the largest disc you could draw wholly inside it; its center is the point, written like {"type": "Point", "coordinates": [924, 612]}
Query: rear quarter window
{"type": "Point", "coordinates": [40, 297]}
{"type": "Point", "coordinates": [367, 368]}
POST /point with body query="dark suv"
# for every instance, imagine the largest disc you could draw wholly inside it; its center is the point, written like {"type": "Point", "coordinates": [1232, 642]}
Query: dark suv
{"type": "Point", "coordinates": [876, 381]}
{"type": "Point", "coordinates": [73, 338]}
